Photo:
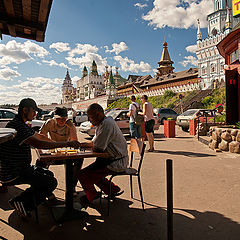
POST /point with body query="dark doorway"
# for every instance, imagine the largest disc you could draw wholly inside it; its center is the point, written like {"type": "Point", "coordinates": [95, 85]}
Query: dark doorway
{"type": "Point", "coordinates": [232, 96]}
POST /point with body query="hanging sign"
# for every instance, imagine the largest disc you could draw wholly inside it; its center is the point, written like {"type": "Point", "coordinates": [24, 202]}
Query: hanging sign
{"type": "Point", "coordinates": [236, 8]}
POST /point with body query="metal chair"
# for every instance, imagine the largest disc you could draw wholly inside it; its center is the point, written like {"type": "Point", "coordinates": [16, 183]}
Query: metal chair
{"type": "Point", "coordinates": [136, 147]}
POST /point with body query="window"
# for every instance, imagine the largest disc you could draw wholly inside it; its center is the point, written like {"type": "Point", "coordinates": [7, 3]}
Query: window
{"type": "Point", "coordinates": [234, 56]}
{"type": "Point", "coordinates": [203, 70]}
{"type": "Point", "coordinates": [213, 68]}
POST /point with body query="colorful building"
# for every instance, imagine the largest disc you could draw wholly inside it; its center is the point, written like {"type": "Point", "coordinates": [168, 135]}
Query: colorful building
{"type": "Point", "coordinates": [68, 91]}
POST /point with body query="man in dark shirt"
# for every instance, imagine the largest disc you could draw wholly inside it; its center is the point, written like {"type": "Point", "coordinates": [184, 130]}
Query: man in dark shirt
{"type": "Point", "coordinates": [15, 160]}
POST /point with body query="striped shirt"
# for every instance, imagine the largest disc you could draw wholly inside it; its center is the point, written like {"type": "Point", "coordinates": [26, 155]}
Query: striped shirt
{"type": "Point", "coordinates": [15, 155]}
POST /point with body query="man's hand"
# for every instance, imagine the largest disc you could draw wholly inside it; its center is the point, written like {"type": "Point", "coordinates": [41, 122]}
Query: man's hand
{"type": "Point", "coordinates": [69, 123]}
{"type": "Point", "coordinates": [74, 144]}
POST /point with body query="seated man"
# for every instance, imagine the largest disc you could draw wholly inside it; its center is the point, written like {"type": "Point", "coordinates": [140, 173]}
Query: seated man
{"type": "Point", "coordinates": [15, 160]}
{"type": "Point", "coordinates": [108, 138]}
{"type": "Point", "coordinates": [60, 128]}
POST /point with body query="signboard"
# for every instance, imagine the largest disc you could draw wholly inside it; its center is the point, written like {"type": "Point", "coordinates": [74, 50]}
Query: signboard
{"type": "Point", "coordinates": [180, 96]}
{"type": "Point", "coordinates": [236, 8]}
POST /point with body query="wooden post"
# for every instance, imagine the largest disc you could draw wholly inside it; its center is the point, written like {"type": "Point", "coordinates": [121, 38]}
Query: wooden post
{"type": "Point", "coordinates": [169, 200]}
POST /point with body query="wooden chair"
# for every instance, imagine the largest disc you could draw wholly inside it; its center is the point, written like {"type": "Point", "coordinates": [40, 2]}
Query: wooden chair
{"type": "Point", "coordinates": [136, 147]}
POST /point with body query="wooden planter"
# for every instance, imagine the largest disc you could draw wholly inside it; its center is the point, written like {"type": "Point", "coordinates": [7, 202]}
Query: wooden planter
{"type": "Point", "coordinates": [193, 126]}
{"type": "Point", "coordinates": [169, 128]}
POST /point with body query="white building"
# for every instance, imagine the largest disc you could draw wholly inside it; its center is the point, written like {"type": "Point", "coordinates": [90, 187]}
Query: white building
{"type": "Point", "coordinates": [210, 62]}
{"type": "Point", "coordinates": [68, 91]}
{"type": "Point", "coordinates": [90, 85]}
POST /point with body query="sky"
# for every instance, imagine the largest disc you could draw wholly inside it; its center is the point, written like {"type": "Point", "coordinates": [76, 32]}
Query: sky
{"type": "Point", "coordinates": [127, 34]}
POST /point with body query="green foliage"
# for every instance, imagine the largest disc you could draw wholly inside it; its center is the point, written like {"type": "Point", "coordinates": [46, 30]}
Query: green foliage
{"type": "Point", "coordinates": [238, 125]}
{"type": "Point", "coordinates": [170, 105]}
{"type": "Point", "coordinates": [120, 103]}
{"type": "Point", "coordinates": [218, 97]}
{"type": "Point", "coordinates": [207, 101]}
{"type": "Point", "coordinates": [169, 94]}
{"type": "Point", "coordinates": [218, 118]}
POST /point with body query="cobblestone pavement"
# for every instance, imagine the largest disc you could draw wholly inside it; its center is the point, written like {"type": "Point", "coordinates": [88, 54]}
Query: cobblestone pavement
{"type": "Point", "coordinates": [206, 200]}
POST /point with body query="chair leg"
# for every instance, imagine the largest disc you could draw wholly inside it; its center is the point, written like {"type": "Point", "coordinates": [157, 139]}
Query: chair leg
{"type": "Point", "coordinates": [131, 187]}
{"type": "Point", "coordinates": [140, 191]}
{"type": "Point", "coordinates": [109, 194]}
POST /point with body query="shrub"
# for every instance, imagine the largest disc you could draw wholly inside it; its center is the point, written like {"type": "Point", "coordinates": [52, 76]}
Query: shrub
{"type": "Point", "coordinates": [169, 94]}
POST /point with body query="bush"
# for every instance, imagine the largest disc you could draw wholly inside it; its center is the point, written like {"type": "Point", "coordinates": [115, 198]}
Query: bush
{"type": "Point", "coordinates": [169, 94]}
{"type": "Point", "coordinates": [207, 101]}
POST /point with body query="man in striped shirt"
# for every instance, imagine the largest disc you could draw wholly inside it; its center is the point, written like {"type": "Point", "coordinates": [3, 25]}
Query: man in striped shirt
{"type": "Point", "coordinates": [15, 160]}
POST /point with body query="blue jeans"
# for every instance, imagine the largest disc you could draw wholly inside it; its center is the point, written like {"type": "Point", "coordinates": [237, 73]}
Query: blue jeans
{"type": "Point", "coordinates": [135, 130]}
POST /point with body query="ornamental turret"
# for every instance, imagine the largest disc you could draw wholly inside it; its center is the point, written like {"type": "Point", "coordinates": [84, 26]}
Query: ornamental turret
{"type": "Point", "coordinates": [68, 91]}
{"type": "Point", "coordinates": [165, 63]}
{"type": "Point", "coordinates": [84, 72]}
{"type": "Point", "coordinates": [93, 69]}
{"type": "Point", "coordinates": [199, 34]}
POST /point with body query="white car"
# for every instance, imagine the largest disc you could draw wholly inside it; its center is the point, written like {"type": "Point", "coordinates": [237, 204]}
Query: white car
{"type": "Point", "coordinates": [8, 114]}
{"type": "Point", "coordinates": [81, 117]}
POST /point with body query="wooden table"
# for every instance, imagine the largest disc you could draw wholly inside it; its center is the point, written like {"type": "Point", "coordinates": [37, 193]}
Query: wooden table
{"type": "Point", "coordinates": [68, 212]}
{"type": "Point", "coordinates": [7, 134]}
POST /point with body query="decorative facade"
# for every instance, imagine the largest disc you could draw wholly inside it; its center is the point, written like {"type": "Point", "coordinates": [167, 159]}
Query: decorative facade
{"type": "Point", "coordinates": [210, 62]}
{"type": "Point", "coordinates": [68, 91]}
{"type": "Point", "coordinates": [92, 85]}
{"type": "Point", "coordinates": [165, 79]}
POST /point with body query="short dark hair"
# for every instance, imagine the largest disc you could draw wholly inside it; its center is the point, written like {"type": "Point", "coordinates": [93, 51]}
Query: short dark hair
{"type": "Point", "coordinates": [95, 107]}
{"type": "Point", "coordinates": [145, 97]}
{"type": "Point", "coordinates": [28, 103]}
{"type": "Point", "coordinates": [60, 112]}
{"type": "Point", "coordinates": [133, 98]}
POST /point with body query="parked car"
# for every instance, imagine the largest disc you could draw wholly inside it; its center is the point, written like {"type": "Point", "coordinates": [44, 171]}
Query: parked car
{"type": "Point", "coordinates": [119, 115]}
{"type": "Point", "coordinates": [47, 116]}
{"type": "Point", "coordinates": [41, 113]}
{"type": "Point", "coordinates": [81, 117]}
{"type": "Point", "coordinates": [184, 118]}
{"type": "Point", "coordinates": [8, 114]}
{"type": "Point", "coordinates": [165, 113]}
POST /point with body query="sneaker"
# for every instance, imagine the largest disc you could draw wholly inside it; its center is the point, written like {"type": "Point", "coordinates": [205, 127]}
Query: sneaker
{"type": "Point", "coordinates": [84, 201]}
{"type": "Point", "coordinates": [18, 205]}
{"type": "Point", "coordinates": [116, 194]}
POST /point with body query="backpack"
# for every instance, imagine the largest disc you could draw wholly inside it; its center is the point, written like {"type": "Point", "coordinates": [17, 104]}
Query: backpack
{"type": "Point", "coordinates": [138, 119]}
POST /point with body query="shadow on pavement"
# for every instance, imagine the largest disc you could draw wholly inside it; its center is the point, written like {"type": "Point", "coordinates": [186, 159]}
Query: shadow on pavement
{"type": "Point", "coordinates": [126, 222]}
{"type": "Point", "coordinates": [188, 154]}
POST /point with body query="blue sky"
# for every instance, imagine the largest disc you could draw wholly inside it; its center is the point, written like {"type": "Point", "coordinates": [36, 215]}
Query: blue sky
{"type": "Point", "coordinates": [127, 34]}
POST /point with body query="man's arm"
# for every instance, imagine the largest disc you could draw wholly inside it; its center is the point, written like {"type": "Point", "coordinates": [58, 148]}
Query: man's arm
{"type": "Point", "coordinates": [42, 144]}
{"type": "Point", "coordinates": [144, 110]}
{"type": "Point", "coordinates": [130, 113]}
{"type": "Point", "coordinates": [87, 145]}
{"type": "Point", "coordinates": [43, 137]}
{"type": "Point", "coordinates": [73, 131]}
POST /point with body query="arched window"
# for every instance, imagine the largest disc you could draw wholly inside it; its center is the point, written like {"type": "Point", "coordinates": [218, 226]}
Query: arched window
{"type": "Point", "coordinates": [213, 68]}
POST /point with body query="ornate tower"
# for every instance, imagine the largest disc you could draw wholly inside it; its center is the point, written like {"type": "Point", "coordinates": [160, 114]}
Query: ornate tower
{"type": "Point", "coordinates": [199, 34]}
{"type": "Point", "coordinates": [165, 63]}
{"type": "Point", "coordinates": [93, 69]}
{"type": "Point", "coordinates": [84, 72]}
{"type": "Point", "coordinates": [111, 86]}
{"type": "Point", "coordinates": [68, 90]}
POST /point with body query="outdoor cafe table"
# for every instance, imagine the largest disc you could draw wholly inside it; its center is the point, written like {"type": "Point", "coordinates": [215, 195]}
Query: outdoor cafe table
{"type": "Point", "coordinates": [7, 134]}
{"type": "Point", "coordinates": [68, 212]}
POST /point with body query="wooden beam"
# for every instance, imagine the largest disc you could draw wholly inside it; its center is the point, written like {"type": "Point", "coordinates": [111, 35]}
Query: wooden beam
{"type": "Point", "coordinates": [1, 26]}
{"type": "Point", "coordinates": [43, 11]}
{"type": "Point", "coordinates": [12, 31]}
{"type": "Point", "coordinates": [40, 36]}
{"type": "Point", "coordinates": [26, 5]}
{"type": "Point", "coordinates": [9, 7]}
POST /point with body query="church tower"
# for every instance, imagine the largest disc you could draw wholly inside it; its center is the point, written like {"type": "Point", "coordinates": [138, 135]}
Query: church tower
{"type": "Point", "coordinates": [68, 91]}
{"type": "Point", "coordinates": [84, 72]}
{"type": "Point", "coordinates": [93, 69]}
{"type": "Point", "coordinates": [165, 63]}
{"type": "Point", "coordinates": [111, 86]}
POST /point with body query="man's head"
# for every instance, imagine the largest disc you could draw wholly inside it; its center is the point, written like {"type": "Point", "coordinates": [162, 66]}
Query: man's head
{"type": "Point", "coordinates": [95, 114]}
{"type": "Point", "coordinates": [144, 98]}
{"type": "Point", "coordinates": [133, 99]}
{"type": "Point", "coordinates": [27, 109]}
{"type": "Point", "coordinates": [60, 114]}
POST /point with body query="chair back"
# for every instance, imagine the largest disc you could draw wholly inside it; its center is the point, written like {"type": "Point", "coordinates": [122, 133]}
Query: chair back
{"type": "Point", "coordinates": [137, 146]}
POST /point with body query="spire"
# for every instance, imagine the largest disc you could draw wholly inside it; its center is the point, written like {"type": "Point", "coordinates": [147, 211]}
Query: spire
{"type": "Point", "coordinates": [111, 79]}
{"type": "Point", "coordinates": [199, 34]}
{"type": "Point", "coordinates": [84, 72]}
{"type": "Point", "coordinates": [165, 64]}
{"type": "Point", "coordinates": [93, 70]}
{"type": "Point", "coordinates": [228, 23]}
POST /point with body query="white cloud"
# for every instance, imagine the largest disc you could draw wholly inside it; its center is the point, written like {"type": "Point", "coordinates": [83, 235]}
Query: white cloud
{"type": "Point", "coordinates": [129, 65]}
{"type": "Point", "coordinates": [60, 46]}
{"type": "Point", "coordinates": [14, 52]}
{"type": "Point", "coordinates": [53, 63]}
{"type": "Point", "coordinates": [7, 74]}
{"type": "Point", "coordinates": [191, 48]}
{"type": "Point", "coordinates": [179, 13]}
{"type": "Point", "coordinates": [83, 49]}
{"type": "Point", "coordinates": [140, 5]}
{"type": "Point", "coordinates": [117, 48]}
{"type": "Point", "coordinates": [189, 60]}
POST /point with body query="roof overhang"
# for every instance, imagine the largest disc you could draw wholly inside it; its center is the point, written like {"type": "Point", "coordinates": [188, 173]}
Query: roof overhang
{"type": "Point", "coordinates": [24, 18]}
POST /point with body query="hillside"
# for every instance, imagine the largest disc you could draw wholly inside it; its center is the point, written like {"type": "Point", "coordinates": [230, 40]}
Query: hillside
{"type": "Point", "coordinates": [194, 99]}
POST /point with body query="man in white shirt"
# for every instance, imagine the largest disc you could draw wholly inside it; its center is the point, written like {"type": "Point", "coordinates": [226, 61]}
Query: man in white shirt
{"type": "Point", "coordinates": [135, 130]}
{"type": "Point", "coordinates": [108, 138]}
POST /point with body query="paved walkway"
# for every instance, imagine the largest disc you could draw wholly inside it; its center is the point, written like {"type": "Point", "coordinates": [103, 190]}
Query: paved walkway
{"type": "Point", "coordinates": [206, 200]}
